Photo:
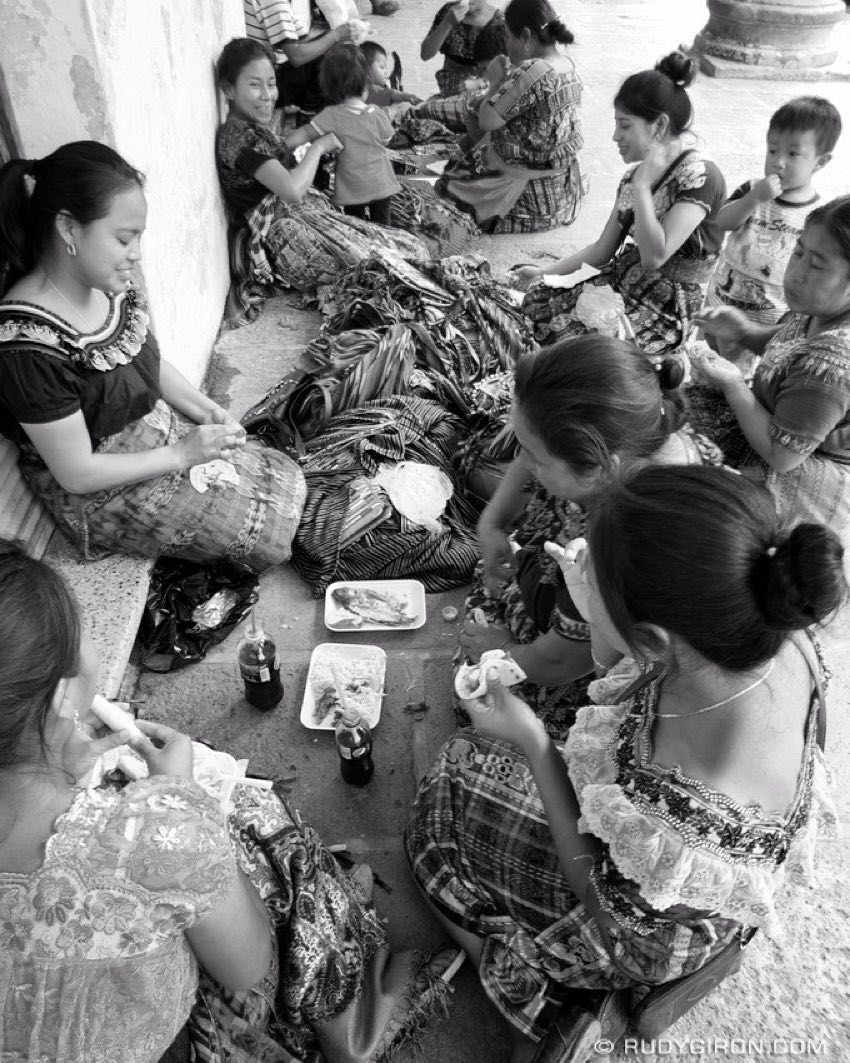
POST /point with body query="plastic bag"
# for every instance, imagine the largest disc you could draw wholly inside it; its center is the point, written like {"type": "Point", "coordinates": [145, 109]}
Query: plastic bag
{"type": "Point", "coordinates": [191, 607]}
{"type": "Point", "coordinates": [418, 491]}
{"type": "Point", "coordinates": [337, 12]}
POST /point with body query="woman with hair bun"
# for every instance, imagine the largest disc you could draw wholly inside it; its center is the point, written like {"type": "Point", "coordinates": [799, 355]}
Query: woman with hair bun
{"type": "Point", "coordinates": [522, 173]}
{"type": "Point", "coordinates": [667, 823]}
{"type": "Point", "coordinates": [586, 412]}
{"type": "Point", "coordinates": [113, 439]}
{"type": "Point", "coordinates": [659, 245]}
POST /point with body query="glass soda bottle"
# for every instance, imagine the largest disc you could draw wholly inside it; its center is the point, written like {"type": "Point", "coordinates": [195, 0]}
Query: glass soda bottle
{"type": "Point", "coordinates": [259, 666]}
{"type": "Point", "coordinates": [354, 745]}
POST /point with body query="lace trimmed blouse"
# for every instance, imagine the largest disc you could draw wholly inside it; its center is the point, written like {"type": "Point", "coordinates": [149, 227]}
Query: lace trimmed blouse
{"type": "Point", "coordinates": [49, 371]}
{"type": "Point", "coordinates": [676, 839]}
{"type": "Point", "coordinates": [94, 963]}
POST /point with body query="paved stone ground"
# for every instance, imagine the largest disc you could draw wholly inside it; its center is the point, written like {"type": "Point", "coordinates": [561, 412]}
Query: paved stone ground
{"type": "Point", "coordinates": [798, 990]}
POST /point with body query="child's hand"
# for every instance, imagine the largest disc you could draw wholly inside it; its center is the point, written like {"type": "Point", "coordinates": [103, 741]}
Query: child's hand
{"type": "Point", "coordinates": [458, 12]}
{"type": "Point", "coordinates": [344, 33]}
{"type": "Point", "coordinates": [329, 144]}
{"type": "Point", "coordinates": [768, 188]}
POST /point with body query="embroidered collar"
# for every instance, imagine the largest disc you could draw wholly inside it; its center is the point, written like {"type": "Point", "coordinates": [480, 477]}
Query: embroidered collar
{"type": "Point", "coordinates": [116, 342]}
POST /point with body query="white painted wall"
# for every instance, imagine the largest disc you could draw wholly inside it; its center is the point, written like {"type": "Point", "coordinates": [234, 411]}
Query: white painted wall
{"type": "Point", "coordinates": [138, 74]}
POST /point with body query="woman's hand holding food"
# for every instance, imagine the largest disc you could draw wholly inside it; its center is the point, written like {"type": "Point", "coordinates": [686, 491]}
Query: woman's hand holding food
{"type": "Point", "coordinates": [218, 415]}
{"type": "Point", "coordinates": [525, 276]}
{"type": "Point", "coordinates": [501, 714]}
{"type": "Point", "coordinates": [716, 370]}
{"type": "Point", "coordinates": [571, 559]}
{"type": "Point", "coordinates": [164, 750]}
{"type": "Point", "coordinates": [497, 556]}
{"type": "Point", "coordinates": [458, 12]}
{"type": "Point", "coordinates": [726, 323]}
{"type": "Point", "coordinates": [206, 442]}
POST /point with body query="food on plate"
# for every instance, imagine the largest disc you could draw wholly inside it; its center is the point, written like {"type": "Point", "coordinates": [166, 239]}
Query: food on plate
{"type": "Point", "coordinates": [373, 607]}
{"type": "Point", "coordinates": [471, 679]}
{"type": "Point", "coordinates": [362, 680]}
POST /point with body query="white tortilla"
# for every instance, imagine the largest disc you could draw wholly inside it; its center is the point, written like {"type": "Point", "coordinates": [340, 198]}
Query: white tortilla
{"type": "Point", "coordinates": [471, 679]}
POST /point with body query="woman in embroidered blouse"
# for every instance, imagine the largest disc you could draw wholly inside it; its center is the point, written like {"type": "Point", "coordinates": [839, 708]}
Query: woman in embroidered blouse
{"type": "Point", "coordinates": [585, 410]}
{"type": "Point", "coordinates": [790, 429]}
{"type": "Point", "coordinates": [593, 867]}
{"type": "Point", "coordinates": [110, 434]}
{"type": "Point", "coordinates": [660, 243]}
{"type": "Point", "coordinates": [132, 914]}
{"type": "Point", "coordinates": [454, 31]}
{"type": "Point", "coordinates": [522, 173]}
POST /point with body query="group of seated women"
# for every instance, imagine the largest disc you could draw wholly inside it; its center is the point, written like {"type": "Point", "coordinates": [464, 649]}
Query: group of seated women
{"type": "Point", "coordinates": [612, 823]}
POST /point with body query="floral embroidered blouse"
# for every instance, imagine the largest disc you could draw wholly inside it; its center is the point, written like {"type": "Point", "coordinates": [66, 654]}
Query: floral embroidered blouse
{"type": "Point", "coordinates": [689, 179]}
{"type": "Point", "coordinates": [94, 964]}
{"type": "Point", "coordinates": [48, 370]}
{"type": "Point", "coordinates": [805, 385]}
{"type": "Point", "coordinates": [671, 840]}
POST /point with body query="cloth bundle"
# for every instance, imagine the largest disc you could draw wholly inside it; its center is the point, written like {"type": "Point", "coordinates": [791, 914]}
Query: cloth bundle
{"type": "Point", "coordinates": [355, 444]}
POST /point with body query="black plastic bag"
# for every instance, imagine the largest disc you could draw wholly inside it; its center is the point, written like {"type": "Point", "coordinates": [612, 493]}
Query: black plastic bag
{"type": "Point", "coordinates": [191, 607]}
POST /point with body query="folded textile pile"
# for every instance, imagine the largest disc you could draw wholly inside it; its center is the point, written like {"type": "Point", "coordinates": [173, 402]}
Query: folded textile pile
{"type": "Point", "coordinates": [356, 443]}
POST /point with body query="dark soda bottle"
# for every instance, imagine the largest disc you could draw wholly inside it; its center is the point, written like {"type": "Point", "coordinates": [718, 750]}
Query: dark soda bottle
{"type": "Point", "coordinates": [259, 667]}
{"type": "Point", "coordinates": [354, 745]}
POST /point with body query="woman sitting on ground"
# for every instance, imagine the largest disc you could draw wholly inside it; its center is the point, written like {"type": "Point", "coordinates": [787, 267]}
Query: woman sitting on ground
{"type": "Point", "coordinates": [522, 173]}
{"type": "Point", "coordinates": [454, 31]}
{"type": "Point", "coordinates": [660, 243]}
{"type": "Point", "coordinates": [110, 434]}
{"type": "Point", "coordinates": [790, 429]}
{"type": "Point", "coordinates": [585, 411]}
{"type": "Point", "coordinates": [289, 233]}
{"type": "Point", "coordinates": [679, 802]}
{"type": "Point", "coordinates": [130, 912]}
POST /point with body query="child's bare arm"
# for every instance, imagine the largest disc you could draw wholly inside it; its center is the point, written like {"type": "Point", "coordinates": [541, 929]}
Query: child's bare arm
{"type": "Point", "coordinates": [735, 212]}
{"type": "Point", "coordinates": [304, 134]}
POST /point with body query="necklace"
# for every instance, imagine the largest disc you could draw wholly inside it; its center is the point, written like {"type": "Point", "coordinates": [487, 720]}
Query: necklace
{"type": "Point", "coordinates": [77, 312]}
{"type": "Point", "coordinates": [718, 704]}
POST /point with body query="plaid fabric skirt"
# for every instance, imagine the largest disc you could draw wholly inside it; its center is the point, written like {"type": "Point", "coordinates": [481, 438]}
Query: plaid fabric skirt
{"type": "Point", "coordinates": [418, 209]}
{"type": "Point", "coordinates": [253, 521]}
{"type": "Point", "coordinates": [449, 111]}
{"type": "Point", "coordinates": [333, 991]}
{"type": "Point", "coordinates": [659, 305]}
{"type": "Point", "coordinates": [479, 844]}
{"type": "Point", "coordinates": [817, 490]}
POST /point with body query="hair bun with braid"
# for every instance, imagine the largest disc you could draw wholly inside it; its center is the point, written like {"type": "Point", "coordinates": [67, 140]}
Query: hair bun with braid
{"type": "Point", "coordinates": [671, 373]}
{"type": "Point", "coordinates": [797, 578]}
{"type": "Point", "coordinates": [680, 68]}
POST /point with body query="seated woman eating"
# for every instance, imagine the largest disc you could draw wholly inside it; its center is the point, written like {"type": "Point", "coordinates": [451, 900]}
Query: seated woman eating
{"type": "Point", "coordinates": [522, 173]}
{"type": "Point", "coordinates": [667, 823]}
{"type": "Point", "coordinates": [585, 411]}
{"type": "Point", "coordinates": [660, 243]}
{"type": "Point", "coordinates": [133, 913]}
{"type": "Point", "coordinates": [454, 32]}
{"type": "Point", "coordinates": [790, 428]}
{"type": "Point", "coordinates": [113, 439]}
{"type": "Point", "coordinates": [288, 233]}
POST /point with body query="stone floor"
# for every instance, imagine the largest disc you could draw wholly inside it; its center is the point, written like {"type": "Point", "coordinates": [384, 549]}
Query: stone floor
{"type": "Point", "coordinates": [794, 991]}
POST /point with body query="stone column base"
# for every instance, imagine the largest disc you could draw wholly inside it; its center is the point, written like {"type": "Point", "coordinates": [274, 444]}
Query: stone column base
{"type": "Point", "coordinates": [793, 40]}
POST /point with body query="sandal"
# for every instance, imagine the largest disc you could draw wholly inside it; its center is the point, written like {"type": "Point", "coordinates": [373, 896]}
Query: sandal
{"type": "Point", "coordinates": [587, 1022]}
{"type": "Point", "coordinates": [385, 7]}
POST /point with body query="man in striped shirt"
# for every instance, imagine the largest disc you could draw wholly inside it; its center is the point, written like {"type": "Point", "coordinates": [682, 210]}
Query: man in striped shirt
{"type": "Point", "coordinates": [287, 26]}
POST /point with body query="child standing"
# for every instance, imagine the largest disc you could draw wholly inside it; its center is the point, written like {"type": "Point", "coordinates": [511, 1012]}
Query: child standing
{"type": "Point", "coordinates": [364, 179]}
{"type": "Point", "coordinates": [765, 217]}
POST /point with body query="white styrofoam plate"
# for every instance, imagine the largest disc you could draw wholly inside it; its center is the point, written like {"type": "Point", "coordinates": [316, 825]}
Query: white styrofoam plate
{"type": "Point", "coordinates": [348, 657]}
{"type": "Point", "coordinates": [410, 592]}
